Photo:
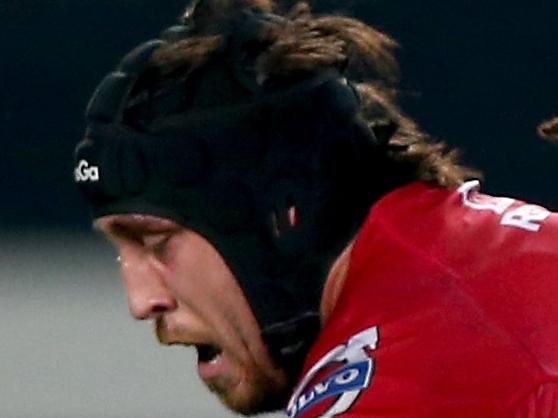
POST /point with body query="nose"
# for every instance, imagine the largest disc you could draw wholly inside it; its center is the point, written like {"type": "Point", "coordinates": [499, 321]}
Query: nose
{"type": "Point", "coordinates": [148, 296]}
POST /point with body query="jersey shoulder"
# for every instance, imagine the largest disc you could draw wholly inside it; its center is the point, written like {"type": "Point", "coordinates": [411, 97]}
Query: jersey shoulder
{"type": "Point", "coordinates": [461, 227]}
{"type": "Point", "coordinates": [430, 263]}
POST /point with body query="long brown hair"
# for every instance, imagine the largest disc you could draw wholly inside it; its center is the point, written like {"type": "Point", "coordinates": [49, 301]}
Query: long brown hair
{"type": "Point", "coordinates": [305, 43]}
{"type": "Point", "coordinates": [549, 129]}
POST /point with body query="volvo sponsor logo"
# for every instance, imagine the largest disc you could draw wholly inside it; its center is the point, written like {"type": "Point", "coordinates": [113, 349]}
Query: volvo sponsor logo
{"type": "Point", "coordinates": [83, 172]}
{"type": "Point", "coordinates": [349, 378]}
{"type": "Point", "coordinates": [350, 369]}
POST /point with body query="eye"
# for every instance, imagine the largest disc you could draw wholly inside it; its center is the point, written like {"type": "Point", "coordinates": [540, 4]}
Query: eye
{"type": "Point", "coordinates": [156, 244]}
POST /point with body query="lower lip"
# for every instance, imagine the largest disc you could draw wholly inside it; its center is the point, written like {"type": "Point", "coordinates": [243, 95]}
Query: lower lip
{"type": "Point", "coordinates": [211, 370]}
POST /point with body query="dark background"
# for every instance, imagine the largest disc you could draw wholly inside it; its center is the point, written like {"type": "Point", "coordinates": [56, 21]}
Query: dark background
{"type": "Point", "coordinates": [479, 74]}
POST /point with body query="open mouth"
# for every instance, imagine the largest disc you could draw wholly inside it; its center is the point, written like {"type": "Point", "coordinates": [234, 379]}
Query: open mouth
{"type": "Point", "coordinates": [208, 353]}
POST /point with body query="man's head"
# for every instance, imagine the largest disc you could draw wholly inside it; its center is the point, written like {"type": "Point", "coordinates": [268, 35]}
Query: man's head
{"type": "Point", "coordinates": [175, 277]}
{"type": "Point", "coordinates": [256, 143]}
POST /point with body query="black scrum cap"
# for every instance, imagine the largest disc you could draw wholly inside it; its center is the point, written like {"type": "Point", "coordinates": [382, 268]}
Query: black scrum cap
{"type": "Point", "coordinates": [267, 174]}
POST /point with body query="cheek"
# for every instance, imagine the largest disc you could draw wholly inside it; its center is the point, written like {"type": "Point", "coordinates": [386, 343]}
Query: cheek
{"type": "Point", "coordinates": [203, 285]}
{"type": "Point", "coordinates": [197, 272]}
{"type": "Point", "coordinates": [202, 280]}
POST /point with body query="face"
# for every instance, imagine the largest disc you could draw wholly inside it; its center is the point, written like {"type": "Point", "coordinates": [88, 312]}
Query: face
{"type": "Point", "coordinates": [176, 278]}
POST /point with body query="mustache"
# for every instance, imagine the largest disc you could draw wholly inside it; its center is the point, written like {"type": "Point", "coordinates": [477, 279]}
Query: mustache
{"type": "Point", "coordinates": [174, 334]}
{"type": "Point", "coordinates": [160, 329]}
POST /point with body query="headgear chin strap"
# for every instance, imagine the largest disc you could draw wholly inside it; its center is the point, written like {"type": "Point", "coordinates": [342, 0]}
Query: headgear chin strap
{"type": "Point", "coordinates": [268, 178]}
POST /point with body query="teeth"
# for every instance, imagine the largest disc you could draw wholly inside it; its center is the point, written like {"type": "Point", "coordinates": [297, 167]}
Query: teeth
{"type": "Point", "coordinates": [208, 353]}
{"type": "Point", "coordinates": [213, 355]}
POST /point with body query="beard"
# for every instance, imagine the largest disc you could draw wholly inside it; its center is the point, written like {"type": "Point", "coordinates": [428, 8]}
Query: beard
{"type": "Point", "coordinates": [263, 396]}
{"type": "Point", "coordinates": [257, 393]}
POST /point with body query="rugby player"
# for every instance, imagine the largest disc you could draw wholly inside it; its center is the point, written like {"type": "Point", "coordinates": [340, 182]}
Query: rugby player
{"type": "Point", "coordinates": [274, 209]}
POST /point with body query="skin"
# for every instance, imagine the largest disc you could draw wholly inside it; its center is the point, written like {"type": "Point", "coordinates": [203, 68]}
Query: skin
{"type": "Point", "coordinates": [176, 278]}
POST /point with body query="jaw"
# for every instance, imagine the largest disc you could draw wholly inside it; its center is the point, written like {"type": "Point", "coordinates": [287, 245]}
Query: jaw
{"type": "Point", "coordinates": [240, 372]}
{"type": "Point", "coordinates": [251, 397]}
{"type": "Point", "coordinates": [245, 387]}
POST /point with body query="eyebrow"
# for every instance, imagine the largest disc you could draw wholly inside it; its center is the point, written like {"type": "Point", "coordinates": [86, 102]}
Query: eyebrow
{"type": "Point", "coordinates": [130, 226]}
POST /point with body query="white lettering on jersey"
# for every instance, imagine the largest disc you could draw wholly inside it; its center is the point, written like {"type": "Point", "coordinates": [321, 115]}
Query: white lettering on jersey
{"type": "Point", "coordinates": [526, 217]}
{"type": "Point", "coordinates": [478, 201]}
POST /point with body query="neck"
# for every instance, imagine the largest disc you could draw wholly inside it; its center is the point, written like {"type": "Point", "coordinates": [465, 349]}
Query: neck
{"type": "Point", "coordinates": [334, 282]}
{"type": "Point", "coordinates": [338, 272]}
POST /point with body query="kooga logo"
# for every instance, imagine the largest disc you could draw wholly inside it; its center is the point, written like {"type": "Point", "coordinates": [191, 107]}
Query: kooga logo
{"type": "Point", "coordinates": [84, 173]}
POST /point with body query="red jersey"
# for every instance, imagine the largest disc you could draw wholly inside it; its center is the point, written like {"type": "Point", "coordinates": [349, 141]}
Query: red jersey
{"type": "Point", "coordinates": [449, 310]}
